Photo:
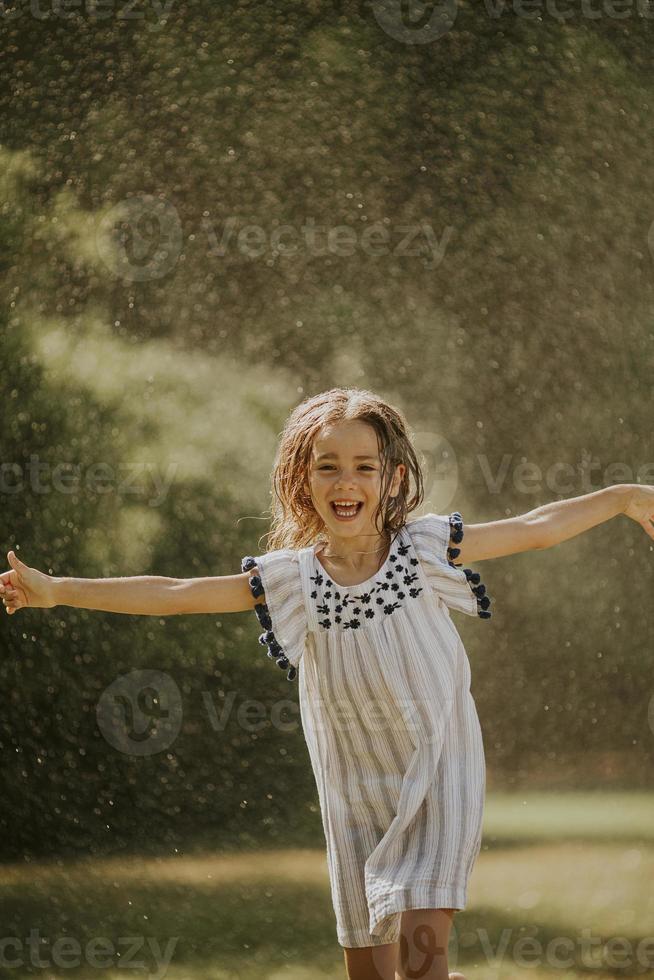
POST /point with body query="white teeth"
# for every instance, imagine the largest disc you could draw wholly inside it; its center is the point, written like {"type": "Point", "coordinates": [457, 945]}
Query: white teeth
{"type": "Point", "coordinates": [345, 508]}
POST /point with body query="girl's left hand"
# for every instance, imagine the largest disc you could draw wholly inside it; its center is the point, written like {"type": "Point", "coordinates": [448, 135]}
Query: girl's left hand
{"type": "Point", "coordinates": [640, 507]}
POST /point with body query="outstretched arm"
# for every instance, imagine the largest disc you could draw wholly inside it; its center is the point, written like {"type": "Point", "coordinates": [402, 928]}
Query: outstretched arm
{"type": "Point", "coordinates": [139, 595]}
{"type": "Point", "coordinates": [557, 521]}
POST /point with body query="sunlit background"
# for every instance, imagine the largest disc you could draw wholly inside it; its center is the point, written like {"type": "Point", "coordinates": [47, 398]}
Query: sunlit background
{"type": "Point", "coordinates": [210, 211]}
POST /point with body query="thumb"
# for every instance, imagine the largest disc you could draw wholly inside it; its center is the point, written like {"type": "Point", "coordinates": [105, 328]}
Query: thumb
{"type": "Point", "coordinates": [15, 561]}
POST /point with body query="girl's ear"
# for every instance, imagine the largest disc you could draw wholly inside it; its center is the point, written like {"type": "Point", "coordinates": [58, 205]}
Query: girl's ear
{"type": "Point", "coordinates": [397, 478]}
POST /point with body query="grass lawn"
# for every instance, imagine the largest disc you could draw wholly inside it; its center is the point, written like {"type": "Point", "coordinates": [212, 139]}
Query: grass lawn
{"type": "Point", "coordinates": [559, 876]}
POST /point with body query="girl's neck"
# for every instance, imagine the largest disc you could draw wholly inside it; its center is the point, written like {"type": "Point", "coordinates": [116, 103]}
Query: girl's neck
{"type": "Point", "coordinates": [355, 555]}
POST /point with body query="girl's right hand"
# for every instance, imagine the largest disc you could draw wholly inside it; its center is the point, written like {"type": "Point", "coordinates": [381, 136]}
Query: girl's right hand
{"type": "Point", "coordinates": [25, 586]}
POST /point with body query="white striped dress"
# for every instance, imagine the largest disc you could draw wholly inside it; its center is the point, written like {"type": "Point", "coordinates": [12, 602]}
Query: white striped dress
{"type": "Point", "coordinates": [389, 720]}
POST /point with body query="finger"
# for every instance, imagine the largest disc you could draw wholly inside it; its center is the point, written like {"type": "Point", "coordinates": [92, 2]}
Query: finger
{"type": "Point", "coordinates": [16, 563]}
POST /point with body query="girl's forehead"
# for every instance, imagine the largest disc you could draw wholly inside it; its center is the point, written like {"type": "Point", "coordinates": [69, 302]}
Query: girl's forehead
{"type": "Point", "coordinates": [353, 437]}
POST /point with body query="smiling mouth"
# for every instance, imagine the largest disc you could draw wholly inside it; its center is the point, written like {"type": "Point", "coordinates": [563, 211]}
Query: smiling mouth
{"type": "Point", "coordinates": [346, 513]}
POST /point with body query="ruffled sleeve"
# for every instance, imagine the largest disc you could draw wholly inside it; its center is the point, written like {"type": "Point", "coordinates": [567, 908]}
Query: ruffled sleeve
{"type": "Point", "coordinates": [283, 615]}
{"type": "Point", "coordinates": [435, 537]}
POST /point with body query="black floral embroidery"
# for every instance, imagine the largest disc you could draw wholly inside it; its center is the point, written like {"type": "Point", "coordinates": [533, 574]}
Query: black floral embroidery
{"type": "Point", "coordinates": [380, 599]}
{"type": "Point", "coordinates": [456, 537]}
{"type": "Point", "coordinates": [267, 638]}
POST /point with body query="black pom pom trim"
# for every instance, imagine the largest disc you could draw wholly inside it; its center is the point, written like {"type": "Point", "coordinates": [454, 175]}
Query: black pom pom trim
{"type": "Point", "coordinates": [267, 638]}
{"type": "Point", "coordinates": [473, 578]}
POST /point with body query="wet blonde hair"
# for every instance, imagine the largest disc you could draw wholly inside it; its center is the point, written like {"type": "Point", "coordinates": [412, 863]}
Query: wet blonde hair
{"type": "Point", "coordinates": [295, 522]}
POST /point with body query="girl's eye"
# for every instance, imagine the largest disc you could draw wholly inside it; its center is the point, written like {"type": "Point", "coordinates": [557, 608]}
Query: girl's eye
{"type": "Point", "coordinates": [364, 466]}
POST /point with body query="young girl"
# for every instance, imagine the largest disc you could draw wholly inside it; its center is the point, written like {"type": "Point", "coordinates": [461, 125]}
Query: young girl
{"type": "Point", "coordinates": [354, 599]}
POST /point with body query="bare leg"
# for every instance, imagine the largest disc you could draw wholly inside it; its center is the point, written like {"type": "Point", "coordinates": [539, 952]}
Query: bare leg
{"type": "Point", "coordinates": [420, 954]}
{"type": "Point", "coordinates": [423, 943]}
{"type": "Point", "coordinates": [371, 962]}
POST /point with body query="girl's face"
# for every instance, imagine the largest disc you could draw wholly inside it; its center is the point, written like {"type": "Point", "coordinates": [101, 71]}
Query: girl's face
{"type": "Point", "coordinates": [345, 477]}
